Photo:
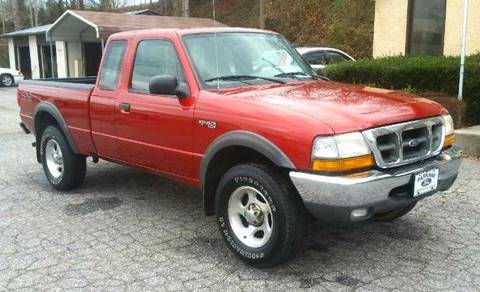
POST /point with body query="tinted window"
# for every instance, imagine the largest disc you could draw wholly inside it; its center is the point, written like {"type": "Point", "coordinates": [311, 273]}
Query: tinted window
{"type": "Point", "coordinates": [153, 58]}
{"type": "Point", "coordinates": [334, 57]}
{"type": "Point", "coordinates": [427, 19]}
{"type": "Point", "coordinates": [111, 65]}
{"type": "Point", "coordinates": [316, 58]}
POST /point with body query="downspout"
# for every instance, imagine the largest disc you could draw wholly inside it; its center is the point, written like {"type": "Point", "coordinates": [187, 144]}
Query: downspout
{"type": "Point", "coordinates": [464, 49]}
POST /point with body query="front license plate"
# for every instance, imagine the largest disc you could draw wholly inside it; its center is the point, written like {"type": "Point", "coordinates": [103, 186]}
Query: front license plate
{"type": "Point", "coordinates": [425, 182]}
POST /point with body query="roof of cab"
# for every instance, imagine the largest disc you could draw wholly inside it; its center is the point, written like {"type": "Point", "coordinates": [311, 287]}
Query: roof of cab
{"type": "Point", "coordinates": [183, 31]}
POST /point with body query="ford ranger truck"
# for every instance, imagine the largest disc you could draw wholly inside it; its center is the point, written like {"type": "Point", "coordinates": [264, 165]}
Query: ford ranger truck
{"type": "Point", "coordinates": [240, 115]}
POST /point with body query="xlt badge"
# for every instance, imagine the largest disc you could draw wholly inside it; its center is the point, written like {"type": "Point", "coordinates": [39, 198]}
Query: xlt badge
{"type": "Point", "coordinates": [208, 124]}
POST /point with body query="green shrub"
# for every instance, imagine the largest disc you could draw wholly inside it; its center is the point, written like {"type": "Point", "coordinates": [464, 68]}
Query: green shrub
{"type": "Point", "coordinates": [416, 74]}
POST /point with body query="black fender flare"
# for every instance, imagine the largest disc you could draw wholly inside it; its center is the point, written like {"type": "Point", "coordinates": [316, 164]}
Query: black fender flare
{"type": "Point", "coordinates": [246, 139]}
{"type": "Point", "coordinates": [50, 108]}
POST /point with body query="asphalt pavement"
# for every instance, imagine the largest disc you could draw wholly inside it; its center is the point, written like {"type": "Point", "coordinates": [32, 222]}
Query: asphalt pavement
{"type": "Point", "coordinates": [125, 229]}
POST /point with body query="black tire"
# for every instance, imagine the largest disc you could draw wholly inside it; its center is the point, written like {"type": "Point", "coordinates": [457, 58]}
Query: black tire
{"type": "Point", "coordinates": [288, 213]}
{"type": "Point", "coordinates": [393, 214]}
{"type": "Point", "coordinates": [7, 80]}
{"type": "Point", "coordinates": [74, 166]}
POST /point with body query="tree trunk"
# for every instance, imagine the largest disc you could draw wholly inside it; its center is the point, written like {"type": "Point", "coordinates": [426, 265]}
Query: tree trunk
{"type": "Point", "coordinates": [262, 14]}
{"type": "Point", "coordinates": [186, 8]}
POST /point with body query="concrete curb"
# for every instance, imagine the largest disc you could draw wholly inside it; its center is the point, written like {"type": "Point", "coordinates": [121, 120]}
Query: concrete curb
{"type": "Point", "coordinates": [469, 140]}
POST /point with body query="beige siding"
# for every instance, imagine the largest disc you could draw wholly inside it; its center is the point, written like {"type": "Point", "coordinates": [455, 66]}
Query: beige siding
{"type": "Point", "coordinates": [390, 29]}
{"type": "Point", "coordinates": [453, 27]}
{"type": "Point", "coordinates": [75, 59]}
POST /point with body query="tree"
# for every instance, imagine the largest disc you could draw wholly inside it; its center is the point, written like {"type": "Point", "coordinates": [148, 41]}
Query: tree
{"type": "Point", "coordinates": [106, 5]}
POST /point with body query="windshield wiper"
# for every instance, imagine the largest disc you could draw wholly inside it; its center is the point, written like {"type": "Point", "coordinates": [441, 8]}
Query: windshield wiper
{"type": "Point", "coordinates": [295, 75]}
{"type": "Point", "coordinates": [241, 78]}
{"type": "Point", "coordinates": [292, 74]}
{"type": "Point", "coordinates": [273, 65]}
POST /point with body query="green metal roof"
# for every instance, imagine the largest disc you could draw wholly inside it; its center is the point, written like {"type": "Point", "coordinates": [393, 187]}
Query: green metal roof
{"type": "Point", "coordinates": [28, 31]}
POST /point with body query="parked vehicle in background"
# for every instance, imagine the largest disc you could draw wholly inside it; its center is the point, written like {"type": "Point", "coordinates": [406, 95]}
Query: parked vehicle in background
{"type": "Point", "coordinates": [239, 114]}
{"type": "Point", "coordinates": [9, 77]}
{"type": "Point", "coordinates": [318, 58]}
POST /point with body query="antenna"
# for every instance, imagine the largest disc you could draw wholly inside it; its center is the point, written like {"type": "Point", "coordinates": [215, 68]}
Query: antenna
{"type": "Point", "coordinates": [214, 14]}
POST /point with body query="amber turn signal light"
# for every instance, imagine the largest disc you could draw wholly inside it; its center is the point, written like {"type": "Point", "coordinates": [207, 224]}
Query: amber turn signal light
{"type": "Point", "coordinates": [346, 164]}
{"type": "Point", "coordinates": [449, 140]}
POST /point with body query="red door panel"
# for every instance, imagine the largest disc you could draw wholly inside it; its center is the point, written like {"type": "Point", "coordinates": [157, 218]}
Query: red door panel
{"type": "Point", "coordinates": [156, 132]}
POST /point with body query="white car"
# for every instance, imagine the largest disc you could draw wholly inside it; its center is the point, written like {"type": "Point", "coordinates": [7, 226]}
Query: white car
{"type": "Point", "coordinates": [9, 77]}
{"type": "Point", "coordinates": [318, 58]}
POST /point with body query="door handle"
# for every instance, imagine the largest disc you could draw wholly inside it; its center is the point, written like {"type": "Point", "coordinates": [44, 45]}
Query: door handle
{"type": "Point", "coordinates": [125, 107]}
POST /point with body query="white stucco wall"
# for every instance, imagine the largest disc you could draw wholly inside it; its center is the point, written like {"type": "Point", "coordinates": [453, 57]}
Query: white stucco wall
{"type": "Point", "coordinates": [32, 43]}
{"type": "Point", "coordinates": [453, 27]}
{"type": "Point", "coordinates": [390, 27]}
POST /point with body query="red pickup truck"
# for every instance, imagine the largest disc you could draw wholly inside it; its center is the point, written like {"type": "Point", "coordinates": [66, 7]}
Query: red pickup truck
{"type": "Point", "coordinates": [240, 115]}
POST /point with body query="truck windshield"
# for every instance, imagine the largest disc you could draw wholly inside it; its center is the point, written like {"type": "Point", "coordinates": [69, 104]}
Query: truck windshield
{"type": "Point", "coordinates": [227, 59]}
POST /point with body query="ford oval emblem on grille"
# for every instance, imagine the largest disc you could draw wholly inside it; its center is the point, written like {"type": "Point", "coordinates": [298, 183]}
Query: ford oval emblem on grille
{"type": "Point", "coordinates": [426, 182]}
{"type": "Point", "coordinates": [413, 142]}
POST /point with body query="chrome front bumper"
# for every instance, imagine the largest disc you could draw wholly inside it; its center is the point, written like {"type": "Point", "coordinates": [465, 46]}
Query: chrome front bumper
{"type": "Point", "coordinates": [374, 191]}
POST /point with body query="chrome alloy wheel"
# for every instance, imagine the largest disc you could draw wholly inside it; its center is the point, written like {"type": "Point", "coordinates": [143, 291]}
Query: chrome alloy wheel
{"type": "Point", "coordinates": [250, 216]}
{"type": "Point", "coordinates": [54, 158]}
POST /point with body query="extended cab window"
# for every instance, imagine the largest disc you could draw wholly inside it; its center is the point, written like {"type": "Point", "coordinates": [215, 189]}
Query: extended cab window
{"type": "Point", "coordinates": [111, 65]}
{"type": "Point", "coordinates": [153, 58]}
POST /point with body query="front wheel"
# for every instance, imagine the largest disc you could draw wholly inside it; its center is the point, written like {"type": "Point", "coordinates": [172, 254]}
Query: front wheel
{"type": "Point", "coordinates": [64, 169]}
{"type": "Point", "coordinates": [260, 215]}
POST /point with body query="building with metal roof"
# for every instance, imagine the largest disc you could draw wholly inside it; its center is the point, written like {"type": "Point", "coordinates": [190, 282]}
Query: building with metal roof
{"type": "Point", "coordinates": [72, 46]}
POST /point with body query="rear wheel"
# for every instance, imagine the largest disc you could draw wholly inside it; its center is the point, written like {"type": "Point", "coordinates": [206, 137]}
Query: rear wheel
{"type": "Point", "coordinates": [6, 80]}
{"type": "Point", "coordinates": [393, 214]}
{"type": "Point", "coordinates": [260, 216]}
{"type": "Point", "coordinates": [64, 169]}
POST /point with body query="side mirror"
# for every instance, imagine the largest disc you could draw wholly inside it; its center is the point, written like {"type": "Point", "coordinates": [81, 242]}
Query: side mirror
{"type": "Point", "coordinates": [167, 85]}
{"type": "Point", "coordinates": [163, 84]}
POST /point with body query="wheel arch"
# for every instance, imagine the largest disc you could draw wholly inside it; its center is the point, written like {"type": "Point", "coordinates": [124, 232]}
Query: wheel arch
{"type": "Point", "coordinates": [238, 147]}
{"type": "Point", "coordinates": [44, 115]}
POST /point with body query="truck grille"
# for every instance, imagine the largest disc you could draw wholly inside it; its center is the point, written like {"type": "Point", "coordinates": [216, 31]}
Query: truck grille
{"type": "Point", "coordinates": [405, 143]}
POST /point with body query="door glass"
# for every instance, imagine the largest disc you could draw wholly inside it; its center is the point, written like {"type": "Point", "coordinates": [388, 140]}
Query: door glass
{"type": "Point", "coordinates": [111, 65]}
{"type": "Point", "coordinates": [153, 58]}
{"type": "Point", "coordinates": [316, 58]}
{"type": "Point", "coordinates": [334, 57]}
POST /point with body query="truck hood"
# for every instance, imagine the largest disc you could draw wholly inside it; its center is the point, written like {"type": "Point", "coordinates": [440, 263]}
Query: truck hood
{"type": "Point", "coordinates": [345, 108]}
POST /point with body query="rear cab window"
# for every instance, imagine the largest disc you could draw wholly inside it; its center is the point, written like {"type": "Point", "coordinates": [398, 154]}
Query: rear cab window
{"type": "Point", "coordinates": [110, 71]}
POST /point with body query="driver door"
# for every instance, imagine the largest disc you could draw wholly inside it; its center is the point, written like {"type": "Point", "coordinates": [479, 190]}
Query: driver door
{"type": "Point", "coordinates": [155, 131]}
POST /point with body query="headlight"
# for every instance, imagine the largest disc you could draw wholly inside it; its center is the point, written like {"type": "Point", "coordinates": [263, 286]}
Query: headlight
{"type": "Point", "coordinates": [343, 152]}
{"type": "Point", "coordinates": [449, 131]}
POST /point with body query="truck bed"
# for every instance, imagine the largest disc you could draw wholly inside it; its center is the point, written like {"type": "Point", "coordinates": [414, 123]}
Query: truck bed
{"type": "Point", "coordinates": [79, 83]}
{"type": "Point", "coordinates": [69, 95]}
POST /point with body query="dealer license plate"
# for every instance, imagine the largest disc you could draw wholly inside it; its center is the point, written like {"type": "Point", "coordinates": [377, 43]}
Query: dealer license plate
{"type": "Point", "coordinates": [425, 182]}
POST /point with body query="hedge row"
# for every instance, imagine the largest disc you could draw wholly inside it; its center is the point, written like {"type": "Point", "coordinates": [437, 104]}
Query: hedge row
{"type": "Point", "coordinates": [416, 74]}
